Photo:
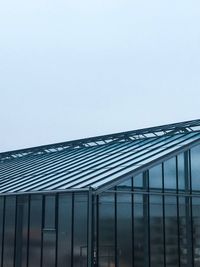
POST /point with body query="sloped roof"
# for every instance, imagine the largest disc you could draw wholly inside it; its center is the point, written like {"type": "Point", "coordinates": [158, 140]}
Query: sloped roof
{"type": "Point", "coordinates": [93, 162]}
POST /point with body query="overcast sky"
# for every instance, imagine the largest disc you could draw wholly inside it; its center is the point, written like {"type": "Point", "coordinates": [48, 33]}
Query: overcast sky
{"type": "Point", "coordinates": [79, 68]}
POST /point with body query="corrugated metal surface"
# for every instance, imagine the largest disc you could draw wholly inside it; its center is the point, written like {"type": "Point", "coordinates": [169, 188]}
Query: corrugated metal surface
{"type": "Point", "coordinates": [85, 167]}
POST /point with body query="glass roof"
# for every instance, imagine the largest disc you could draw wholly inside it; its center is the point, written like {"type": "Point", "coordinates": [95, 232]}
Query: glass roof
{"type": "Point", "coordinates": [97, 165]}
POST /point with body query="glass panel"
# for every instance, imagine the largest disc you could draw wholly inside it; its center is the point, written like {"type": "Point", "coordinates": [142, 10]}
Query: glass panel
{"type": "Point", "coordinates": [49, 232]}
{"type": "Point", "coordinates": [124, 230]}
{"type": "Point", "coordinates": [183, 232]}
{"type": "Point", "coordinates": [106, 230]}
{"type": "Point", "coordinates": [64, 230]}
{"type": "Point", "coordinates": [196, 230]}
{"type": "Point", "coordinates": [195, 168]}
{"type": "Point", "coordinates": [170, 174]}
{"type": "Point", "coordinates": [22, 231]}
{"type": "Point", "coordinates": [155, 177]}
{"type": "Point", "coordinates": [171, 232]}
{"type": "Point", "coordinates": [156, 231]}
{"type": "Point", "coordinates": [80, 230]}
{"type": "Point", "coordinates": [35, 232]}
{"type": "Point", "coordinates": [138, 181]}
{"type": "Point", "coordinates": [1, 225]}
{"type": "Point", "coordinates": [139, 231]}
{"type": "Point", "coordinates": [181, 172]}
{"type": "Point", "coordinates": [9, 232]}
{"type": "Point", "coordinates": [126, 185]}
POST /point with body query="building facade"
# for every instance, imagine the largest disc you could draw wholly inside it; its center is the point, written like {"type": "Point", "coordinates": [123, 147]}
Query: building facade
{"type": "Point", "coordinates": [127, 200]}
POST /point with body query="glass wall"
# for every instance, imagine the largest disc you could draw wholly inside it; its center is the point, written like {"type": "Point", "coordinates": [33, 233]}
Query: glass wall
{"type": "Point", "coordinates": [44, 230]}
{"type": "Point", "coordinates": [153, 219]}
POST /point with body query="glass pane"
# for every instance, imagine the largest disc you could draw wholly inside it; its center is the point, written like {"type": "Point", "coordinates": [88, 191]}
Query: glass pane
{"type": "Point", "coordinates": [106, 230]}
{"type": "Point", "coordinates": [138, 181]}
{"type": "Point", "coordinates": [126, 185]}
{"type": "Point", "coordinates": [181, 172]}
{"type": "Point", "coordinates": [140, 218]}
{"type": "Point", "coordinates": [124, 230]}
{"type": "Point", "coordinates": [155, 177]}
{"type": "Point", "coordinates": [156, 231]}
{"type": "Point", "coordinates": [1, 225]}
{"type": "Point", "coordinates": [196, 230]}
{"type": "Point", "coordinates": [64, 230]}
{"type": "Point", "coordinates": [35, 230]}
{"type": "Point", "coordinates": [171, 232]}
{"type": "Point", "coordinates": [170, 174]}
{"type": "Point", "coordinates": [80, 230]}
{"type": "Point", "coordinates": [9, 232]}
{"type": "Point", "coordinates": [49, 232]}
{"type": "Point", "coordinates": [195, 168]}
{"type": "Point", "coordinates": [22, 231]}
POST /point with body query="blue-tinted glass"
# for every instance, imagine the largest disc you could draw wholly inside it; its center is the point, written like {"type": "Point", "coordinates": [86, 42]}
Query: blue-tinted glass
{"type": "Point", "coordinates": [1, 224]}
{"type": "Point", "coordinates": [195, 168]}
{"type": "Point", "coordinates": [49, 218]}
{"type": "Point", "coordinates": [139, 233]}
{"type": "Point", "coordinates": [170, 174]}
{"type": "Point", "coordinates": [9, 232]}
{"type": "Point", "coordinates": [125, 185]}
{"type": "Point", "coordinates": [155, 177]}
{"type": "Point", "coordinates": [35, 231]}
{"type": "Point", "coordinates": [156, 231]}
{"type": "Point", "coordinates": [124, 229]}
{"type": "Point", "coordinates": [171, 232]}
{"type": "Point", "coordinates": [80, 230]}
{"type": "Point", "coordinates": [196, 230]}
{"type": "Point", "coordinates": [138, 181]}
{"type": "Point", "coordinates": [106, 231]}
{"type": "Point", "coordinates": [181, 172]}
{"type": "Point", "coordinates": [64, 230]}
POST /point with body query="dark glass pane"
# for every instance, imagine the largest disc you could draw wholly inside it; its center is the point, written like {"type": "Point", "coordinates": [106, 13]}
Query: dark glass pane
{"type": "Point", "coordinates": [64, 230]}
{"type": "Point", "coordinates": [9, 232]}
{"type": "Point", "coordinates": [49, 218]}
{"type": "Point", "coordinates": [170, 174]}
{"type": "Point", "coordinates": [21, 231]}
{"type": "Point", "coordinates": [156, 231]}
{"type": "Point", "coordinates": [183, 232]}
{"type": "Point", "coordinates": [138, 181]}
{"type": "Point", "coordinates": [124, 230]}
{"type": "Point", "coordinates": [49, 232]}
{"type": "Point", "coordinates": [126, 185]}
{"type": "Point", "coordinates": [155, 177]}
{"type": "Point", "coordinates": [195, 168]}
{"type": "Point", "coordinates": [35, 230]}
{"type": "Point", "coordinates": [181, 172]}
{"type": "Point", "coordinates": [171, 231]}
{"type": "Point", "coordinates": [196, 230]}
{"type": "Point", "coordinates": [1, 225]}
{"type": "Point", "coordinates": [140, 224]}
{"type": "Point", "coordinates": [106, 230]}
{"type": "Point", "coordinates": [80, 230]}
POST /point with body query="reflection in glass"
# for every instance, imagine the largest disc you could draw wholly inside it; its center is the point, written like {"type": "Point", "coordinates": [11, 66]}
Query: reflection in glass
{"type": "Point", "coordinates": [138, 181]}
{"type": "Point", "coordinates": [195, 168]}
{"type": "Point", "coordinates": [124, 230]}
{"type": "Point", "coordinates": [155, 177]}
{"type": "Point", "coordinates": [80, 230]}
{"type": "Point", "coordinates": [196, 230]}
{"type": "Point", "coordinates": [170, 174]}
{"type": "Point", "coordinates": [35, 230]}
{"type": "Point", "coordinates": [171, 231]}
{"type": "Point", "coordinates": [156, 231]}
{"type": "Point", "coordinates": [125, 185]}
{"type": "Point", "coordinates": [181, 172]}
{"type": "Point", "coordinates": [106, 230]}
{"type": "Point", "coordinates": [64, 230]}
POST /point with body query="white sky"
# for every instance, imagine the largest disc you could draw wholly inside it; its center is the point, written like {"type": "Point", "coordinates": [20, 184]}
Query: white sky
{"type": "Point", "coordinates": [73, 69]}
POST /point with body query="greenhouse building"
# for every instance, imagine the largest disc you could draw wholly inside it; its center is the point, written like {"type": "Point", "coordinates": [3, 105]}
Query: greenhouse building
{"type": "Point", "coordinates": [129, 199]}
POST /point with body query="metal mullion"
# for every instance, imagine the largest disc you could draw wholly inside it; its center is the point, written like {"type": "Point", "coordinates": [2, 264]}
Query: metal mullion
{"type": "Point", "coordinates": [42, 233]}
{"type": "Point", "coordinates": [97, 227]}
{"type": "Point", "coordinates": [3, 231]}
{"type": "Point", "coordinates": [132, 216]}
{"type": "Point", "coordinates": [115, 229]}
{"type": "Point", "coordinates": [177, 211]}
{"type": "Point", "coordinates": [130, 165]}
{"type": "Point", "coordinates": [72, 233]}
{"type": "Point", "coordinates": [56, 227]}
{"type": "Point", "coordinates": [16, 214]}
{"type": "Point", "coordinates": [163, 214]}
{"type": "Point", "coordinates": [28, 231]}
